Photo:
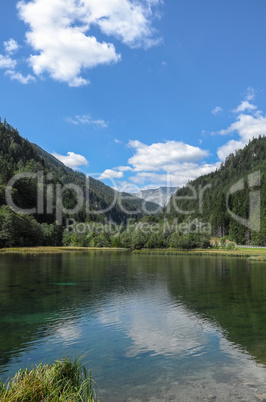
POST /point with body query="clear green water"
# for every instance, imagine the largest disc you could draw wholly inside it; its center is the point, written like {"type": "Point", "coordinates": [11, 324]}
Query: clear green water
{"type": "Point", "coordinates": [166, 328]}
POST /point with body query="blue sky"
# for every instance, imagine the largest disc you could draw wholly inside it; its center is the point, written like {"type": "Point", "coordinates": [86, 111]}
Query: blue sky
{"type": "Point", "coordinates": [137, 93]}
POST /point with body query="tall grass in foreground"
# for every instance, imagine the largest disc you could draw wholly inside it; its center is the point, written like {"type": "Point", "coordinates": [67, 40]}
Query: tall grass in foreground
{"type": "Point", "coordinates": [64, 380]}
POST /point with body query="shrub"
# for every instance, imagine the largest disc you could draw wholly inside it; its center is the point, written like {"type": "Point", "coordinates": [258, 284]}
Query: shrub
{"type": "Point", "coordinates": [230, 246]}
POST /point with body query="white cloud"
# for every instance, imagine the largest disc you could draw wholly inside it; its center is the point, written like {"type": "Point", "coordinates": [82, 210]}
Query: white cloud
{"type": "Point", "coordinates": [247, 127]}
{"type": "Point", "coordinates": [7, 62]}
{"type": "Point", "coordinates": [59, 34]}
{"type": "Point", "coordinates": [177, 175]}
{"type": "Point", "coordinates": [250, 123]}
{"type": "Point", "coordinates": [124, 168]}
{"type": "Point", "coordinates": [11, 46]}
{"type": "Point", "coordinates": [72, 160]}
{"type": "Point", "coordinates": [160, 156]}
{"type": "Point", "coordinates": [162, 164]}
{"type": "Point", "coordinates": [117, 141]}
{"type": "Point", "coordinates": [250, 93]}
{"type": "Point", "coordinates": [72, 121]}
{"type": "Point", "coordinates": [126, 20]}
{"type": "Point", "coordinates": [126, 187]}
{"type": "Point", "coordinates": [86, 119]}
{"type": "Point", "coordinates": [229, 148]}
{"type": "Point", "coordinates": [20, 78]}
{"type": "Point", "coordinates": [217, 110]}
{"type": "Point", "coordinates": [244, 105]}
{"type": "Point", "coordinates": [111, 174]}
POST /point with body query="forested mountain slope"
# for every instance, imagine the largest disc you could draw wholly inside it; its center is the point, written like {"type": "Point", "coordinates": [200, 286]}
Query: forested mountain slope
{"type": "Point", "coordinates": [101, 196]}
{"type": "Point", "coordinates": [238, 187]}
{"type": "Point", "coordinates": [18, 155]}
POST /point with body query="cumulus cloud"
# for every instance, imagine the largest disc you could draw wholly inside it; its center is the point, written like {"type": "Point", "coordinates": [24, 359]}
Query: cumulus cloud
{"type": "Point", "coordinates": [7, 62]}
{"type": "Point", "coordinates": [125, 168]}
{"type": "Point", "coordinates": [161, 164]}
{"type": "Point", "coordinates": [72, 160]}
{"type": "Point", "coordinates": [23, 79]}
{"type": "Point", "coordinates": [86, 119]}
{"type": "Point", "coordinates": [160, 156]}
{"type": "Point", "coordinates": [111, 174]}
{"type": "Point", "coordinates": [59, 33]}
{"type": "Point", "coordinates": [247, 127]}
{"type": "Point", "coordinates": [229, 148]}
{"type": "Point", "coordinates": [126, 20]}
{"type": "Point", "coordinates": [244, 105]}
{"type": "Point", "coordinates": [11, 46]}
{"type": "Point", "coordinates": [217, 110]}
{"type": "Point", "coordinates": [249, 123]}
{"type": "Point", "coordinates": [177, 175]}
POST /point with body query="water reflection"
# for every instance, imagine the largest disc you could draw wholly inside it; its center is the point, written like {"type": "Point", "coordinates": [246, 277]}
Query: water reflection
{"type": "Point", "coordinates": [155, 324]}
{"type": "Point", "coordinates": [185, 323]}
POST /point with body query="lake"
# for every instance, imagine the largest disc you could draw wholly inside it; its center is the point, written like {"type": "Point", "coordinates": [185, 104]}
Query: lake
{"type": "Point", "coordinates": [151, 328]}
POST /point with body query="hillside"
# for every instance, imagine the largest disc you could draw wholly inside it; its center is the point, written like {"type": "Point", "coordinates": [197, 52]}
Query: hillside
{"type": "Point", "coordinates": [100, 194]}
{"type": "Point", "coordinates": [159, 195]}
{"type": "Point", "coordinates": [100, 202]}
{"type": "Point", "coordinates": [242, 180]}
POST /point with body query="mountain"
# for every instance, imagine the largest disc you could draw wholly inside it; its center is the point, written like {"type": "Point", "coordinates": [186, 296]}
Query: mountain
{"type": "Point", "coordinates": [159, 195]}
{"type": "Point", "coordinates": [60, 194]}
{"type": "Point", "coordinates": [100, 195]}
{"type": "Point", "coordinates": [232, 200]}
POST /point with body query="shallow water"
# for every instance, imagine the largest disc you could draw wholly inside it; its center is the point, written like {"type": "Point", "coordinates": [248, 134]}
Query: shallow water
{"type": "Point", "coordinates": [164, 328]}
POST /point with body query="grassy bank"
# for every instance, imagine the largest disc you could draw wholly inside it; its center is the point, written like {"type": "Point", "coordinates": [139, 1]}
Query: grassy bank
{"type": "Point", "coordinates": [62, 381]}
{"type": "Point", "coordinates": [54, 250]}
{"type": "Point", "coordinates": [251, 253]}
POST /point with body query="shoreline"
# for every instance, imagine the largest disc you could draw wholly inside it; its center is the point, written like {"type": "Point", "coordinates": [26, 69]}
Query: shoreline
{"type": "Point", "coordinates": [252, 254]}
{"type": "Point", "coordinates": [55, 250]}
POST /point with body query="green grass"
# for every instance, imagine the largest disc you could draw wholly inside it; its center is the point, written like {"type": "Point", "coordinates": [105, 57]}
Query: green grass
{"type": "Point", "coordinates": [54, 250]}
{"type": "Point", "coordinates": [64, 380]}
{"type": "Point", "coordinates": [252, 254]}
